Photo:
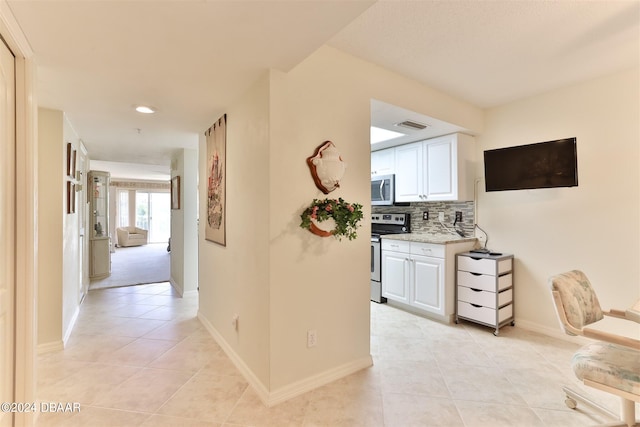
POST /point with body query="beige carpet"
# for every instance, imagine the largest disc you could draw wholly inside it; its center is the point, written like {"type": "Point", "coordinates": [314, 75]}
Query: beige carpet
{"type": "Point", "coordinates": [137, 265]}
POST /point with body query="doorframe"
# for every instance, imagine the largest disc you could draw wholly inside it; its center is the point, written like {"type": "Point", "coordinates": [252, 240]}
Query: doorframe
{"type": "Point", "coordinates": [26, 213]}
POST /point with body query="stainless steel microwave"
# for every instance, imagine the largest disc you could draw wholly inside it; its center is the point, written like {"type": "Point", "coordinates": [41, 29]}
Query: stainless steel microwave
{"type": "Point", "coordinates": [382, 189]}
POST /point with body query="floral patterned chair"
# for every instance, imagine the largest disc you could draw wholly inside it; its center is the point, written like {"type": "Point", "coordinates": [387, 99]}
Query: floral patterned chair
{"type": "Point", "coordinates": [611, 364]}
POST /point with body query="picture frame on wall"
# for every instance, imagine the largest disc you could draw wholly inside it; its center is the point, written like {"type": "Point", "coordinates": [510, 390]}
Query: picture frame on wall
{"type": "Point", "coordinates": [69, 154]}
{"type": "Point", "coordinates": [175, 192]}
{"type": "Point", "coordinates": [215, 226]}
{"type": "Point", "coordinates": [73, 164]}
{"type": "Point", "coordinates": [71, 197]}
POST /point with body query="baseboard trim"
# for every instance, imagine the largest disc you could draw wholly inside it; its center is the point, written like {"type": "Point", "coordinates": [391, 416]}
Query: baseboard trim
{"type": "Point", "coordinates": [72, 324]}
{"type": "Point", "coordinates": [303, 386]}
{"type": "Point", "coordinates": [551, 332]}
{"type": "Point", "coordinates": [50, 346]}
{"type": "Point", "coordinates": [175, 286]}
{"type": "Point", "coordinates": [247, 373]}
{"type": "Point", "coordinates": [271, 398]}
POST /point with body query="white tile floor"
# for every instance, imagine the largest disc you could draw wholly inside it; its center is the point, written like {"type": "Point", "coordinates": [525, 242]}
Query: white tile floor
{"type": "Point", "coordinates": [139, 357]}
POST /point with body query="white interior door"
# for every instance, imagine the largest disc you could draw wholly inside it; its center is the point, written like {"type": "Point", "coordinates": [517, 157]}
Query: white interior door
{"type": "Point", "coordinates": [7, 227]}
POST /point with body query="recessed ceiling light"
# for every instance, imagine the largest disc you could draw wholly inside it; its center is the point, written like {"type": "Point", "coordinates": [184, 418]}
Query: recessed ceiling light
{"type": "Point", "coordinates": [145, 109]}
{"type": "Point", "coordinates": [380, 135]}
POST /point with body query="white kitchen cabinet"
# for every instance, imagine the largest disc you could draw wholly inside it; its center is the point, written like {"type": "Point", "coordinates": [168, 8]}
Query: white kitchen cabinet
{"type": "Point", "coordinates": [437, 169]}
{"type": "Point", "coordinates": [395, 275]}
{"type": "Point", "coordinates": [428, 283]}
{"type": "Point", "coordinates": [383, 162]}
{"type": "Point", "coordinates": [408, 167]}
{"type": "Point", "coordinates": [484, 290]}
{"type": "Point", "coordinates": [415, 275]}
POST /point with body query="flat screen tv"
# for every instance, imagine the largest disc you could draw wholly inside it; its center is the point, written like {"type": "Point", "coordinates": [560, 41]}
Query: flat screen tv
{"type": "Point", "coordinates": [542, 165]}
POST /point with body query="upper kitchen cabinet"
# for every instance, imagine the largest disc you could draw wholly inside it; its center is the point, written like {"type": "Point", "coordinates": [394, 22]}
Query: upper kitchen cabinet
{"type": "Point", "coordinates": [383, 162]}
{"type": "Point", "coordinates": [437, 169]}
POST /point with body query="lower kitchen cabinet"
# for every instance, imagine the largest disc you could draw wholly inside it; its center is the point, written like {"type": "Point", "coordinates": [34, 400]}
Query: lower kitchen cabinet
{"type": "Point", "coordinates": [427, 286]}
{"type": "Point", "coordinates": [415, 275]}
{"type": "Point", "coordinates": [484, 290]}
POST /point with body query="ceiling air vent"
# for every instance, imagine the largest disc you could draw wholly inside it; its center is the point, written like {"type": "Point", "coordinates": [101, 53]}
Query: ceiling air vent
{"type": "Point", "coordinates": [412, 125]}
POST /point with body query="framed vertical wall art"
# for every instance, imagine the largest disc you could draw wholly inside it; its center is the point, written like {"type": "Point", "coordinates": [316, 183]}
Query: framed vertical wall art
{"type": "Point", "coordinates": [71, 197]}
{"type": "Point", "coordinates": [69, 154]}
{"type": "Point", "coordinates": [215, 230]}
{"type": "Point", "coordinates": [175, 192]}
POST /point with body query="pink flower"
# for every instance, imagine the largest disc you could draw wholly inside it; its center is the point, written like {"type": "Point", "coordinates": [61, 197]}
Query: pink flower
{"type": "Point", "coordinates": [328, 208]}
{"type": "Point", "coordinates": [350, 208]}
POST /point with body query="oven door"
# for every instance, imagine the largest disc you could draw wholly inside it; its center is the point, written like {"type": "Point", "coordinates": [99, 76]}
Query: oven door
{"type": "Point", "coordinates": [375, 261]}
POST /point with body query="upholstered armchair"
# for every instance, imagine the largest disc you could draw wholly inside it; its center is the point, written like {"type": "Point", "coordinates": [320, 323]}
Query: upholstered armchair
{"type": "Point", "coordinates": [131, 236]}
{"type": "Point", "coordinates": [612, 362]}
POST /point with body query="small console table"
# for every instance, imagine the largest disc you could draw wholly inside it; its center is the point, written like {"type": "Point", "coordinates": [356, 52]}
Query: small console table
{"type": "Point", "coordinates": [484, 289]}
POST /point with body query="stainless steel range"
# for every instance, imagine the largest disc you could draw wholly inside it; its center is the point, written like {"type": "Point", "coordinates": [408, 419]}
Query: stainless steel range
{"type": "Point", "coordinates": [381, 224]}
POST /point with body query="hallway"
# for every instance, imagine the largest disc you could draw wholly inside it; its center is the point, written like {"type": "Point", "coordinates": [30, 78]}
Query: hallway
{"type": "Point", "coordinates": [139, 357]}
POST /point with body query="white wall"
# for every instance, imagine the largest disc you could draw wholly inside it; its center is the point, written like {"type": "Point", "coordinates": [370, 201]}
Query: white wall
{"type": "Point", "coordinates": [593, 227]}
{"type": "Point", "coordinates": [60, 278]}
{"type": "Point", "coordinates": [184, 224]}
{"type": "Point", "coordinates": [279, 278]}
{"type": "Point", "coordinates": [51, 205]}
{"type": "Point", "coordinates": [235, 278]}
{"type": "Point", "coordinates": [71, 246]}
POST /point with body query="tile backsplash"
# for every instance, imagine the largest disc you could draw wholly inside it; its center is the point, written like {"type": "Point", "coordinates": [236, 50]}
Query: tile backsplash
{"type": "Point", "coordinates": [432, 225]}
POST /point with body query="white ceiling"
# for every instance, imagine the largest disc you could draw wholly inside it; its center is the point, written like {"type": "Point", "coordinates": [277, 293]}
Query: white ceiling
{"type": "Point", "coordinates": [190, 59]}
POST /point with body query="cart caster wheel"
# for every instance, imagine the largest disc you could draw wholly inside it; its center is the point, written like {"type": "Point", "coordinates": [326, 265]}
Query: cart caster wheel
{"type": "Point", "coordinates": [495, 333]}
{"type": "Point", "coordinates": [513, 323]}
{"type": "Point", "coordinates": [571, 403]}
{"type": "Point", "coordinates": [456, 321]}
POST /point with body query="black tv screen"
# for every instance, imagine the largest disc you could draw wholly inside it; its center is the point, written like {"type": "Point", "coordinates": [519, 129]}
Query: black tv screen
{"type": "Point", "coordinates": [542, 165]}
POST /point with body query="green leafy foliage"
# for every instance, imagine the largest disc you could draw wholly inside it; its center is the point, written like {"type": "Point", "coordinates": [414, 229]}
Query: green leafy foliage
{"type": "Point", "coordinates": [345, 215]}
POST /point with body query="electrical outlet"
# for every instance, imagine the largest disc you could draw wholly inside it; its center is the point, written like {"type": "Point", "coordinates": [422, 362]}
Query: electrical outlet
{"type": "Point", "coordinates": [312, 338]}
{"type": "Point", "coordinates": [425, 215]}
{"type": "Point", "coordinates": [458, 216]}
{"type": "Point", "coordinates": [440, 216]}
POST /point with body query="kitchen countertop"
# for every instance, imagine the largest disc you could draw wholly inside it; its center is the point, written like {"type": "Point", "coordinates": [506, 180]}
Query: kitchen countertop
{"type": "Point", "coordinates": [429, 238]}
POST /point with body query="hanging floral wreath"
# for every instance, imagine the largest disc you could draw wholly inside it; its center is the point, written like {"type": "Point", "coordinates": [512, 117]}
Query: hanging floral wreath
{"type": "Point", "coordinates": [345, 215]}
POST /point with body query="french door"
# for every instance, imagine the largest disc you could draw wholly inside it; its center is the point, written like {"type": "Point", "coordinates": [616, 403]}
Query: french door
{"type": "Point", "coordinates": [153, 213]}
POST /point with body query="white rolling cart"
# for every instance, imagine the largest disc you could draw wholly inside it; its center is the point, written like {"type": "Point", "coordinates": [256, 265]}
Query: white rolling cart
{"type": "Point", "coordinates": [484, 289]}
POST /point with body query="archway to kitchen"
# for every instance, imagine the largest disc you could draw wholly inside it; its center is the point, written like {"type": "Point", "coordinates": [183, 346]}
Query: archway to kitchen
{"type": "Point", "coordinates": [400, 205]}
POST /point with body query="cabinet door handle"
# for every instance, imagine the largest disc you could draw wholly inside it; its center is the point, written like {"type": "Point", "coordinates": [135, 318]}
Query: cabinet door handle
{"type": "Point", "coordinates": [476, 274]}
{"type": "Point", "coordinates": [476, 290]}
{"type": "Point", "coordinates": [476, 305]}
{"type": "Point", "coordinates": [475, 259]}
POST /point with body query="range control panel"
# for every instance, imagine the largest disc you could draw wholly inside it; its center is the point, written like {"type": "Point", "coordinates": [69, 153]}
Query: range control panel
{"type": "Point", "coordinates": [391, 218]}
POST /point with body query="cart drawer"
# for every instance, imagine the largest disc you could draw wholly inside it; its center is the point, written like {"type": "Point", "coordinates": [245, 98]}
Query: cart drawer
{"type": "Point", "coordinates": [484, 298]}
{"type": "Point", "coordinates": [484, 314]}
{"type": "Point", "coordinates": [484, 265]}
{"type": "Point", "coordinates": [483, 281]}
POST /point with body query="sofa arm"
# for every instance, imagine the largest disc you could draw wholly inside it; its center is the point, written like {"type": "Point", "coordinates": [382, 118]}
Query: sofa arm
{"type": "Point", "coordinates": [142, 231]}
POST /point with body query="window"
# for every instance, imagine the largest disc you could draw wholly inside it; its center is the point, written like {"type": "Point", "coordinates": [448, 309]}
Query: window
{"type": "Point", "coordinates": [123, 208]}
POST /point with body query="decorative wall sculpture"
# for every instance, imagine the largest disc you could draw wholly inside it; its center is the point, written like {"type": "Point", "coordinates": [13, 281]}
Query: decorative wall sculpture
{"type": "Point", "coordinates": [327, 167]}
